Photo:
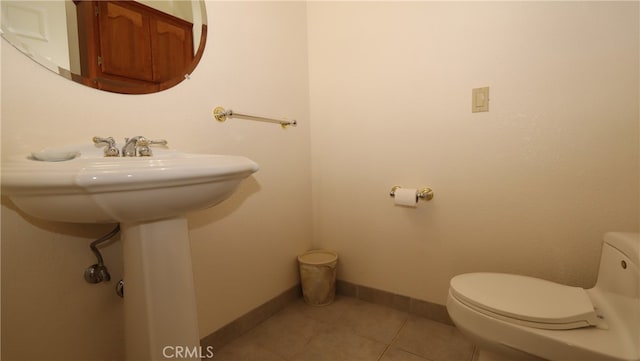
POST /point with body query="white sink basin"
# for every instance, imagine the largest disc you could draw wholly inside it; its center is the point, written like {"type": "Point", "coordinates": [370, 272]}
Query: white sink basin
{"type": "Point", "coordinates": [91, 188]}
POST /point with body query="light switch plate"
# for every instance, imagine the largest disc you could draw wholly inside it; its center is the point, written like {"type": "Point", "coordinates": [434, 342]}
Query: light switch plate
{"type": "Point", "coordinates": [480, 100]}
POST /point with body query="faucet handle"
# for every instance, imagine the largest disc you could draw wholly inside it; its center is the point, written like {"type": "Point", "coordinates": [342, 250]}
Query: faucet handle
{"type": "Point", "coordinates": [111, 150]}
{"type": "Point", "coordinates": [158, 142]}
{"type": "Point", "coordinates": [143, 146]}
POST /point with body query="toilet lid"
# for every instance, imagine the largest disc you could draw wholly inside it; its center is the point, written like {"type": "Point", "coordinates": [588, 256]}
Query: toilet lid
{"type": "Point", "coordinates": [525, 300]}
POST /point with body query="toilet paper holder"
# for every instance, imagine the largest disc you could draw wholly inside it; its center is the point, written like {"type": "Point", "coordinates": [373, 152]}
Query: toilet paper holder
{"type": "Point", "coordinates": [421, 193]}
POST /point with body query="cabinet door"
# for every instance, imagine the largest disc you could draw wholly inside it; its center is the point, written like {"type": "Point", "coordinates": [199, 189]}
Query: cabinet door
{"type": "Point", "coordinates": [125, 41]}
{"type": "Point", "coordinates": [171, 46]}
{"type": "Point", "coordinates": [128, 47]}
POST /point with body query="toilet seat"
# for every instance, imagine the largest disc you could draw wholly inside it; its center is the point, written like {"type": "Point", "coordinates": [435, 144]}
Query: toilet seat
{"type": "Point", "coordinates": [525, 300]}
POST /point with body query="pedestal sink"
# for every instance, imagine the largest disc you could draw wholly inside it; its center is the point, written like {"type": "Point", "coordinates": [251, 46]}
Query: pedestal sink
{"type": "Point", "coordinates": [149, 197]}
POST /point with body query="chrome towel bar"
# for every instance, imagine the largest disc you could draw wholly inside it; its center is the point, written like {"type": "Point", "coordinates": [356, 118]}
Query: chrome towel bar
{"type": "Point", "coordinates": [221, 115]}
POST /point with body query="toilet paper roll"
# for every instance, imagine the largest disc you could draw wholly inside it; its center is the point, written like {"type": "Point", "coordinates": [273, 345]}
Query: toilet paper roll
{"type": "Point", "coordinates": [407, 197]}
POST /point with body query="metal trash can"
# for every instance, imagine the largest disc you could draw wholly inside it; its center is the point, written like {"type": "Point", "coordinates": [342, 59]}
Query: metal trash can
{"type": "Point", "coordinates": [318, 276]}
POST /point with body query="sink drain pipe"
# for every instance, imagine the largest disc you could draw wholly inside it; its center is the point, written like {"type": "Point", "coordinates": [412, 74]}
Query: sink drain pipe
{"type": "Point", "coordinates": [98, 272]}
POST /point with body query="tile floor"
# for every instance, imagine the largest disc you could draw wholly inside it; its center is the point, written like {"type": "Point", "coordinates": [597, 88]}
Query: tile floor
{"type": "Point", "coordinates": [347, 330]}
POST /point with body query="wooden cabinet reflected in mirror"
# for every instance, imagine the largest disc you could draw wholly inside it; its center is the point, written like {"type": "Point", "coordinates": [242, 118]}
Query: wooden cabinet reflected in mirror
{"type": "Point", "coordinates": [132, 47]}
{"type": "Point", "coordinates": [128, 47]}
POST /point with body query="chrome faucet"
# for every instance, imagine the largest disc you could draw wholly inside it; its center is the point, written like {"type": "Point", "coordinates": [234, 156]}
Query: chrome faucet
{"type": "Point", "coordinates": [139, 146]}
{"type": "Point", "coordinates": [131, 145]}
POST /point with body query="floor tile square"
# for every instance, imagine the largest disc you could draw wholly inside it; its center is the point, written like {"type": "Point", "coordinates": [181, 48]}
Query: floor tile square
{"type": "Point", "coordinates": [245, 349]}
{"type": "Point", "coordinates": [373, 321]}
{"type": "Point", "coordinates": [433, 340]}
{"type": "Point", "coordinates": [286, 333]}
{"type": "Point", "coordinates": [341, 344]}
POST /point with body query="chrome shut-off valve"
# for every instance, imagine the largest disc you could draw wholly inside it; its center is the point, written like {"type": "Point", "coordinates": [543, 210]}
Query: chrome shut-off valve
{"type": "Point", "coordinates": [97, 273]}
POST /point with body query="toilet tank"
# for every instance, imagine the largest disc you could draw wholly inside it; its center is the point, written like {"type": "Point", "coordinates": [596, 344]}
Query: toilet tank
{"type": "Point", "coordinates": [619, 270]}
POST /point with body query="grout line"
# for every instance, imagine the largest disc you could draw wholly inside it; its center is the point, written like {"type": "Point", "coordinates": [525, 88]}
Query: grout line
{"type": "Point", "coordinates": [408, 351]}
{"type": "Point", "coordinates": [308, 340]}
{"type": "Point", "coordinates": [384, 352]}
{"type": "Point", "coordinates": [475, 355]}
{"type": "Point", "coordinates": [395, 337]}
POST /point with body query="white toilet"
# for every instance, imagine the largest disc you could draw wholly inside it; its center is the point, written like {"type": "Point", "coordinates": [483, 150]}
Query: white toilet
{"type": "Point", "coordinates": [513, 317]}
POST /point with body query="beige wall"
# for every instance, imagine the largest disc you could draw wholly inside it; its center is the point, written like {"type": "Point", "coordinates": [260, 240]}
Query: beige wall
{"type": "Point", "coordinates": [243, 250]}
{"type": "Point", "coordinates": [529, 187]}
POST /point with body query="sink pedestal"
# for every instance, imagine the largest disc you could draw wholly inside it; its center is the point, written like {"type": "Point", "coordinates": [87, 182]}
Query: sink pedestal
{"type": "Point", "coordinates": [159, 298]}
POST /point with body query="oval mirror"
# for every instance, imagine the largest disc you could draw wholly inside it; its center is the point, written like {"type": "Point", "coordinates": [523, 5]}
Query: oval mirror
{"type": "Point", "coordinates": [130, 47]}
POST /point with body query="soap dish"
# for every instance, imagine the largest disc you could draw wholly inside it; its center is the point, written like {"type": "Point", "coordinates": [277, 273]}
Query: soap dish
{"type": "Point", "coordinates": [54, 155]}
